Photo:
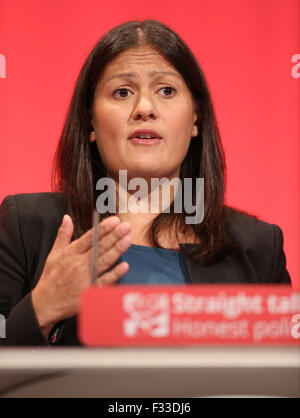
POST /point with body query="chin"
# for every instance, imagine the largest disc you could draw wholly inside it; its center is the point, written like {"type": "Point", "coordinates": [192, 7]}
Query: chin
{"type": "Point", "coordinates": [143, 172]}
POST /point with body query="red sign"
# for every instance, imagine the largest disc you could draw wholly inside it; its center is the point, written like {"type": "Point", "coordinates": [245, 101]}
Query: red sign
{"type": "Point", "coordinates": [189, 315]}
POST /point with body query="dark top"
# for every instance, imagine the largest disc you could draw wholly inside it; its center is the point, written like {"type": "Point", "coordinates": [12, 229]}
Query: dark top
{"type": "Point", "coordinates": [144, 259]}
{"type": "Point", "coordinates": [28, 228]}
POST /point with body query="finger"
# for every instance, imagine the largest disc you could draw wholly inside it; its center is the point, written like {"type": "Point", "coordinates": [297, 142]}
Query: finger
{"type": "Point", "coordinates": [64, 233]}
{"type": "Point", "coordinates": [107, 259]}
{"type": "Point", "coordinates": [84, 243]}
{"type": "Point", "coordinates": [113, 275]}
{"type": "Point", "coordinates": [110, 239]}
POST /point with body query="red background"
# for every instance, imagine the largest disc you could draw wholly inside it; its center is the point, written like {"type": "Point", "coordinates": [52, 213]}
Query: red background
{"type": "Point", "coordinates": [245, 49]}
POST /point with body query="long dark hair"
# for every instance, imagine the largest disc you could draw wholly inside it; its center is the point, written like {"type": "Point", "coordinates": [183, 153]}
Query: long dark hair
{"type": "Point", "coordinates": [77, 165]}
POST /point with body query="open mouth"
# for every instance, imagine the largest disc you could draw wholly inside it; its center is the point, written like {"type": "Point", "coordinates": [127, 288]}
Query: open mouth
{"type": "Point", "coordinates": [145, 136]}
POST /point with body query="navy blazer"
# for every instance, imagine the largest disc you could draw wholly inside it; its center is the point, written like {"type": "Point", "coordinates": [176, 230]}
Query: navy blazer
{"type": "Point", "coordinates": [28, 228]}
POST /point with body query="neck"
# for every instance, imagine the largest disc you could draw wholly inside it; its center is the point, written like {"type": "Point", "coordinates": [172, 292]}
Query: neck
{"type": "Point", "coordinates": [140, 202]}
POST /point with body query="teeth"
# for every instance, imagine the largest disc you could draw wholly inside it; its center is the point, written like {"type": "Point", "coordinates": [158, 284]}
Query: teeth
{"type": "Point", "coordinates": [145, 136]}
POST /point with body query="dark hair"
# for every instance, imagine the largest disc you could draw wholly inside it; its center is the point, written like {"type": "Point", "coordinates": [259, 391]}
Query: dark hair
{"type": "Point", "coordinates": [78, 165]}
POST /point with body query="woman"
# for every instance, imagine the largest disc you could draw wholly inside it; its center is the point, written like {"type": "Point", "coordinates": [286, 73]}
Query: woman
{"type": "Point", "coordinates": [140, 78]}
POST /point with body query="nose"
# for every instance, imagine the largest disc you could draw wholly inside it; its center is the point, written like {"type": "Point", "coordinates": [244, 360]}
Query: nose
{"type": "Point", "coordinates": [144, 109]}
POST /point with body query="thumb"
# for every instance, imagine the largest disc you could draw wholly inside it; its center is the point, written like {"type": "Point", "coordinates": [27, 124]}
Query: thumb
{"type": "Point", "coordinates": [65, 232]}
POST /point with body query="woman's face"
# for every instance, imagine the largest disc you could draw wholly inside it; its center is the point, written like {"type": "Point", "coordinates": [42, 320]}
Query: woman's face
{"type": "Point", "coordinates": [147, 98]}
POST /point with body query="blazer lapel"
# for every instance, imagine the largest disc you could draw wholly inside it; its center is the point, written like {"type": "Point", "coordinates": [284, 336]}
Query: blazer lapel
{"type": "Point", "coordinates": [220, 272]}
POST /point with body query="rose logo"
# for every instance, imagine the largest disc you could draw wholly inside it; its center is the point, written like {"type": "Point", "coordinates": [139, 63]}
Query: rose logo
{"type": "Point", "coordinates": [148, 314]}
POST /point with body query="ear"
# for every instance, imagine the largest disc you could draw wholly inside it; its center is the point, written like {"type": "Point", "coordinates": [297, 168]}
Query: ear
{"type": "Point", "coordinates": [195, 131]}
{"type": "Point", "coordinates": [195, 127]}
{"type": "Point", "coordinates": [92, 137]}
{"type": "Point", "coordinates": [195, 117]}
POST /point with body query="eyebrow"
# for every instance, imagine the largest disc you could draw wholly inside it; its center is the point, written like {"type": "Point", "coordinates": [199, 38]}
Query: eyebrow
{"type": "Point", "coordinates": [151, 74]}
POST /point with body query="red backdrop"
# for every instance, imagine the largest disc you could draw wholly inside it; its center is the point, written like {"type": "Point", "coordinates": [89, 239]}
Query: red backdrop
{"type": "Point", "coordinates": [246, 49]}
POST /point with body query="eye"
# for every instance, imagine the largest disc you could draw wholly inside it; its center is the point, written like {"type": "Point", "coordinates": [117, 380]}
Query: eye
{"type": "Point", "coordinates": [122, 91]}
{"type": "Point", "coordinates": [169, 90]}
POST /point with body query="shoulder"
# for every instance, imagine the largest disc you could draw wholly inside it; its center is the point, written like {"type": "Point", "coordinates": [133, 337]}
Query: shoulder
{"type": "Point", "coordinates": [259, 243]}
{"type": "Point", "coordinates": [45, 202]}
{"type": "Point", "coordinates": [248, 229]}
{"type": "Point", "coordinates": [33, 212]}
